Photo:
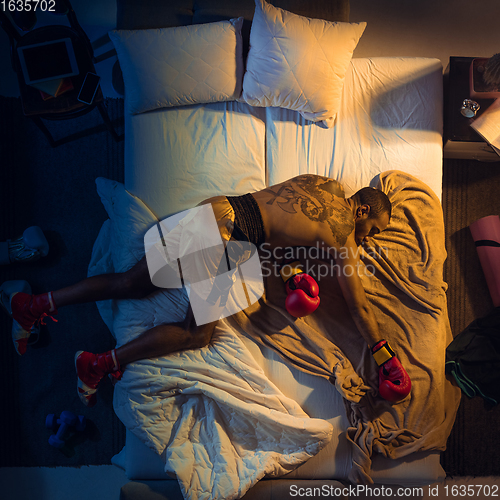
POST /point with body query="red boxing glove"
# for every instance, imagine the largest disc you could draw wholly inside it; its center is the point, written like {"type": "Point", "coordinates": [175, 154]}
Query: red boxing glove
{"type": "Point", "coordinates": [394, 382]}
{"type": "Point", "coordinates": [302, 291]}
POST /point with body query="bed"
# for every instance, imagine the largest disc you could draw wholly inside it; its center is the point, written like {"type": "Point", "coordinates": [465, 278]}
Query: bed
{"type": "Point", "coordinates": [274, 401]}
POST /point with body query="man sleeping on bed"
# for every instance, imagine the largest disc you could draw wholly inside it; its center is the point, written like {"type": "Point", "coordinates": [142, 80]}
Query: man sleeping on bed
{"type": "Point", "coordinates": [305, 211]}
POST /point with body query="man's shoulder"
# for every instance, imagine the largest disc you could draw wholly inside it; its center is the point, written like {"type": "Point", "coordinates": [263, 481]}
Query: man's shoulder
{"type": "Point", "coordinates": [341, 222]}
{"type": "Point", "coordinates": [313, 182]}
{"type": "Point", "coordinates": [327, 203]}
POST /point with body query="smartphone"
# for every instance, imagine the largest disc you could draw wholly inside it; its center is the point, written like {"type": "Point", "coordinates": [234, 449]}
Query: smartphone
{"type": "Point", "coordinates": [89, 88]}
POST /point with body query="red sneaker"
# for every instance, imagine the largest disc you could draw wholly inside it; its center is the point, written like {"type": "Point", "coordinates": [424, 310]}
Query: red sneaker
{"type": "Point", "coordinates": [91, 369]}
{"type": "Point", "coordinates": [14, 298]}
{"type": "Point", "coordinates": [29, 310]}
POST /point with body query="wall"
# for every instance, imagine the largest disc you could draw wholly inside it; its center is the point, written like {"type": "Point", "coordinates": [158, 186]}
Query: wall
{"type": "Point", "coordinates": [429, 28]}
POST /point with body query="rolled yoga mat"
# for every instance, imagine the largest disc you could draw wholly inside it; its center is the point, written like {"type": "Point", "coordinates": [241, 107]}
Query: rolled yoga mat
{"type": "Point", "coordinates": [486, 235]}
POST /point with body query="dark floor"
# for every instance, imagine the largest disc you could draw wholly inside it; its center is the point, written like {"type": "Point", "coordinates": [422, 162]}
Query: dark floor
{"type": "Point", "coordinates": [54, 188]}
{"type": "Point", "coordinates": [471, 190]}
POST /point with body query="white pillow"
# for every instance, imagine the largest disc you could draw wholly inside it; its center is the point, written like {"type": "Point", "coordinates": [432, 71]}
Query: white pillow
{"type": "Point", "coordinates": [178, 66]}
{"type": "Point", "coordinates": [130, 219]}
{"type": "Point", "coordinates": [118, 247]}
{"type": "Point", "coordinates": [298, 63]}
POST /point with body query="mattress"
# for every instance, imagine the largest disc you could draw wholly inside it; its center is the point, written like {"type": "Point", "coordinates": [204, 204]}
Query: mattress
{"type": "Point", "coordinates": [390, 119]}
{"type": "Point", "coordinates": [319, 399]}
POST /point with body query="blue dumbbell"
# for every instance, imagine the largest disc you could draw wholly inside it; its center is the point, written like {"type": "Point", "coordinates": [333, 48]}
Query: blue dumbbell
{"type": "Point", "coordinates": [67, 421]}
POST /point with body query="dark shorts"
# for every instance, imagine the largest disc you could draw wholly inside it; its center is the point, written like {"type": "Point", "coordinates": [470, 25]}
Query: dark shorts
{"type": "Point", "coordinates": [248, 224]}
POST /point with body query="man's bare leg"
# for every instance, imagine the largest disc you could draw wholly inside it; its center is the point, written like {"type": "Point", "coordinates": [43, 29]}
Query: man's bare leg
{"type": "Point", "coordinates": [132, 284]}
{"type": "Point", "coordinates": [166, 339]}
{"type": "Point", "coordinates": [27, 309]}
{"type": "Point", "coordinates": [158, 341]}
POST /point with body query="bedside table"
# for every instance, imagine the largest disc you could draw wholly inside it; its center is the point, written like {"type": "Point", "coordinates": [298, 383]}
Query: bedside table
{"type": "Point", "coordinates": [461, 141]}
{"type": "Point", "coordinates": [66, 105]}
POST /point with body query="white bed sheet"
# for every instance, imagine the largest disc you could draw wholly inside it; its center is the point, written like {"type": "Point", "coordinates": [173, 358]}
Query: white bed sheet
{"type": "Point", "coordinates": [390, 118]}
{"type": "Point", "coordinates": [175, 158]}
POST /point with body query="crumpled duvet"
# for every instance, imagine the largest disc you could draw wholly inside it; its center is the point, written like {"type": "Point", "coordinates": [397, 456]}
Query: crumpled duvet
{"type": "Point", "coordinates": [218, 423]}
{"type": "Point", "coordinates": [212, 415]}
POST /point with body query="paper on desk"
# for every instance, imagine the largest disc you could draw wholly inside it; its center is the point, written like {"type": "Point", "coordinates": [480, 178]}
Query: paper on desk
{"type": "Point", "coordinates": [488, 125]}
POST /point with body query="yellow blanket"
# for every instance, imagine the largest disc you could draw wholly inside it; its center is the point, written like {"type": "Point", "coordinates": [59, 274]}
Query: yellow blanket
{"type": "Point", "coordinates": [402, 273]}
